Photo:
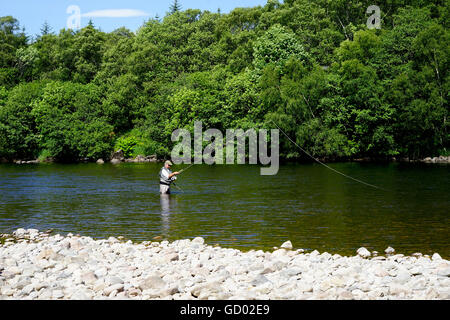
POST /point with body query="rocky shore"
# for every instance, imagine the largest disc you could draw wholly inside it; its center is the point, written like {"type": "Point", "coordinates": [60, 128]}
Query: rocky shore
{"type": "Point", "coordinates": [38, 265]}
{"type": "Point", "coordinates": [440, 159]}
{"type": "Point", "coordinates": [118, 157]}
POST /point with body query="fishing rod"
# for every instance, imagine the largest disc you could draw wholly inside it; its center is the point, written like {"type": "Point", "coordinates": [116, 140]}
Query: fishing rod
{"type": "Point", "coordinates": [177, 187]}
{"type": "Point", "coordinates": [182, 170]}
{"type": "Point", "coordinates": [317, 160]}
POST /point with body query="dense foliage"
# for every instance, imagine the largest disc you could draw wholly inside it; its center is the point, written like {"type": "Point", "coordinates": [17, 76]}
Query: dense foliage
{"type": "Point", "coordinates": [311, 66]}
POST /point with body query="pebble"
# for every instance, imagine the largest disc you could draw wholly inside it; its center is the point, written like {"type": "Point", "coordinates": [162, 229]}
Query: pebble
{"type": "Point", "coordinates": [435, 257]}
{"type": "Point", "coordinates": [389, 250]}
{"type": "Point", "coordinates": [287, 245]}
{"type": "Point", "coordinates": [363, 252]}
{"type": "Point", "coordinates": [81, 268]}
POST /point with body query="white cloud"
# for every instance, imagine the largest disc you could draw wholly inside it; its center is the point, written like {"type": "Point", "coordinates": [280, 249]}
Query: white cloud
{"type": "Point", "coordinates": [115, 13]}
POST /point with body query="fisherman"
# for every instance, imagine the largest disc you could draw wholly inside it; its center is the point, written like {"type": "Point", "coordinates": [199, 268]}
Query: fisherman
{"type": "Point", "coordinates": [166, 177]}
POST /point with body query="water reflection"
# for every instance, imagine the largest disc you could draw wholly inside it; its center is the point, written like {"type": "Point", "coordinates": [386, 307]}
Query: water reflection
{"type": "Point", "coordinates": [168, 204]}
{"type": "Point", "coordinates": [233, 205]}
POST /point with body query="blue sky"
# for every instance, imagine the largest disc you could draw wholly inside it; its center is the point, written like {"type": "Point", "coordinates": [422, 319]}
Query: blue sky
{"type": "Point", "coordinates": [106, 14]}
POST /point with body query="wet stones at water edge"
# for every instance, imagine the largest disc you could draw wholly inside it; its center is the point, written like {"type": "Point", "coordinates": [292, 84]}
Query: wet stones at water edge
{"type": "Point", "coordinates": [27, 161]}
{"type": "Point", "coordinates": [38, 265]}
{"type": "Point", "coordinates": [440, 159]}
{"type": "Point", "coordinates": [118, 157]}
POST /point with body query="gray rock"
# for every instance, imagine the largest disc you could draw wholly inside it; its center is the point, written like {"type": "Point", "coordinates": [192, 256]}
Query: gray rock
{"type": "Point", "coordinates": [118, 155]}
{"type": "Point", "coordinates": [389, 250]}
{"type": "Point", "coordinates": [259, 280]}
{"type": "Point", "coordinates": [291, 272]}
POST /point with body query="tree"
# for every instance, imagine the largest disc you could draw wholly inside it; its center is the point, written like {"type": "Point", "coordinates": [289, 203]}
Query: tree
{"type": "Point", "coordinates": [174, 7]}
{"type": "Point", "coordinates": [71, 122]}
{"type": "Point", "coordinates": [46, 29]}
{"type": "Point", "coordinates": [89, 51]}
{"type": "Point", "coordinates": [19, 138]}
{"type": "Point", "coordinates": [311, 66]}
{"type": "Point", "coordinates": [10, 40]}
{"type": "Point", "coordinates": [276, 46]}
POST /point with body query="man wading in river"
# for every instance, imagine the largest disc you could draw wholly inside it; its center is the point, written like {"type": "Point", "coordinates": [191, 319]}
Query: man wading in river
{"type": "Point", "coordinates": [166, 177]}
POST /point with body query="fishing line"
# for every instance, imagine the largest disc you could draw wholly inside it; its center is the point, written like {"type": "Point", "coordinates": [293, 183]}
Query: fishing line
{"type": "Point", "coordinates": [338, 172]}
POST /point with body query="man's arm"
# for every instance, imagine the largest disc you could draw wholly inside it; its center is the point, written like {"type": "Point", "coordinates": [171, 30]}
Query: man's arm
{"type": "Point", "coordinates": [173, 174]}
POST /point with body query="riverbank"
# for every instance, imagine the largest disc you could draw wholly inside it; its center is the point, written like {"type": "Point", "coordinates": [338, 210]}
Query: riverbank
{"type": "Point", "coordinates": [38, 265]}
{"type": "Point", "coordinates": [118, 157]}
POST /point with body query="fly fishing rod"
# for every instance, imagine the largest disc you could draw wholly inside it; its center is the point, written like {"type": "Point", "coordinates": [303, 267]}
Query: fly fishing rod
{"type": "Point", "coordinates": [182, 170]}
{"type": "Point", "coordinates": [176, 186]}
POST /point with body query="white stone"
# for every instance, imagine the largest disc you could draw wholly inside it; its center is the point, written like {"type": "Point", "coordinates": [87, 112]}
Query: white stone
{"type": "Point", "coordinates": [444, 272]}
{"type": "Point", "coordinates": [57, 294]}
{"type": "Point", "coordinates": [198, 240]}
{"type": "Point", "coordinates": [402, 277]}
{"type": "Point", "coordinates": [435, 257]}
{"type": "Point", "coordinates": [287, 245]}
{"type": "Point", "coordinates": [363, 252]}
{"type": "Point", "coordinates": [115, 287]}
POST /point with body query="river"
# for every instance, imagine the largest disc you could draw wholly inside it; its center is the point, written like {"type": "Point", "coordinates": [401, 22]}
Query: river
{"type": "Point", "coordinates": [234, 206]}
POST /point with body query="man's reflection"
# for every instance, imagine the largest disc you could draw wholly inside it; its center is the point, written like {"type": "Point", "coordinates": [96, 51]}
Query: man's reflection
{"type": "Point", "coordinates": [168, 202]}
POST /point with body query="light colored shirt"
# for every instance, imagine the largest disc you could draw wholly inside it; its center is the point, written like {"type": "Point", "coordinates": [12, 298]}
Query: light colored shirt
{"type": "Point", "coordinates": [164, 176]}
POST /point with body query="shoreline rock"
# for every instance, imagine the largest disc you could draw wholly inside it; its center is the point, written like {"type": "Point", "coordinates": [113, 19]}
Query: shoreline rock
{"type": "Point", "coordinates": [37, 265]}
{"type": "Point", "coordinates": [440, 159]}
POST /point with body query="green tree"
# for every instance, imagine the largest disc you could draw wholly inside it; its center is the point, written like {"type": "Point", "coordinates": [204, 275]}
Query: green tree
{"type": "Point", "coordinates": [174, 7]}
{"type": "Point", "coordinates": [19, 138]}
{"type": "Point", "coordinates": [11, 39]}
{"type": "Point", "coordinates": [71, 122]}
{"type": "Point", "coordinates": [276, 46]}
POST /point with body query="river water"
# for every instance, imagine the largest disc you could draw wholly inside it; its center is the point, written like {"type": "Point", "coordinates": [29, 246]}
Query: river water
{"type": "Point", "coordinates": [234, 206]}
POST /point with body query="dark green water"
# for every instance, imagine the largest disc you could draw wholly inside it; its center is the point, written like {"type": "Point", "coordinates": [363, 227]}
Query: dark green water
{"type": "Point", "coordinates": [234, 206]}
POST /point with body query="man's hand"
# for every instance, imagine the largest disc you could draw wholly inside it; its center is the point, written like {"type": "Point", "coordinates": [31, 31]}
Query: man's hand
{"type": "Point", "coordinates": [173, 174]}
